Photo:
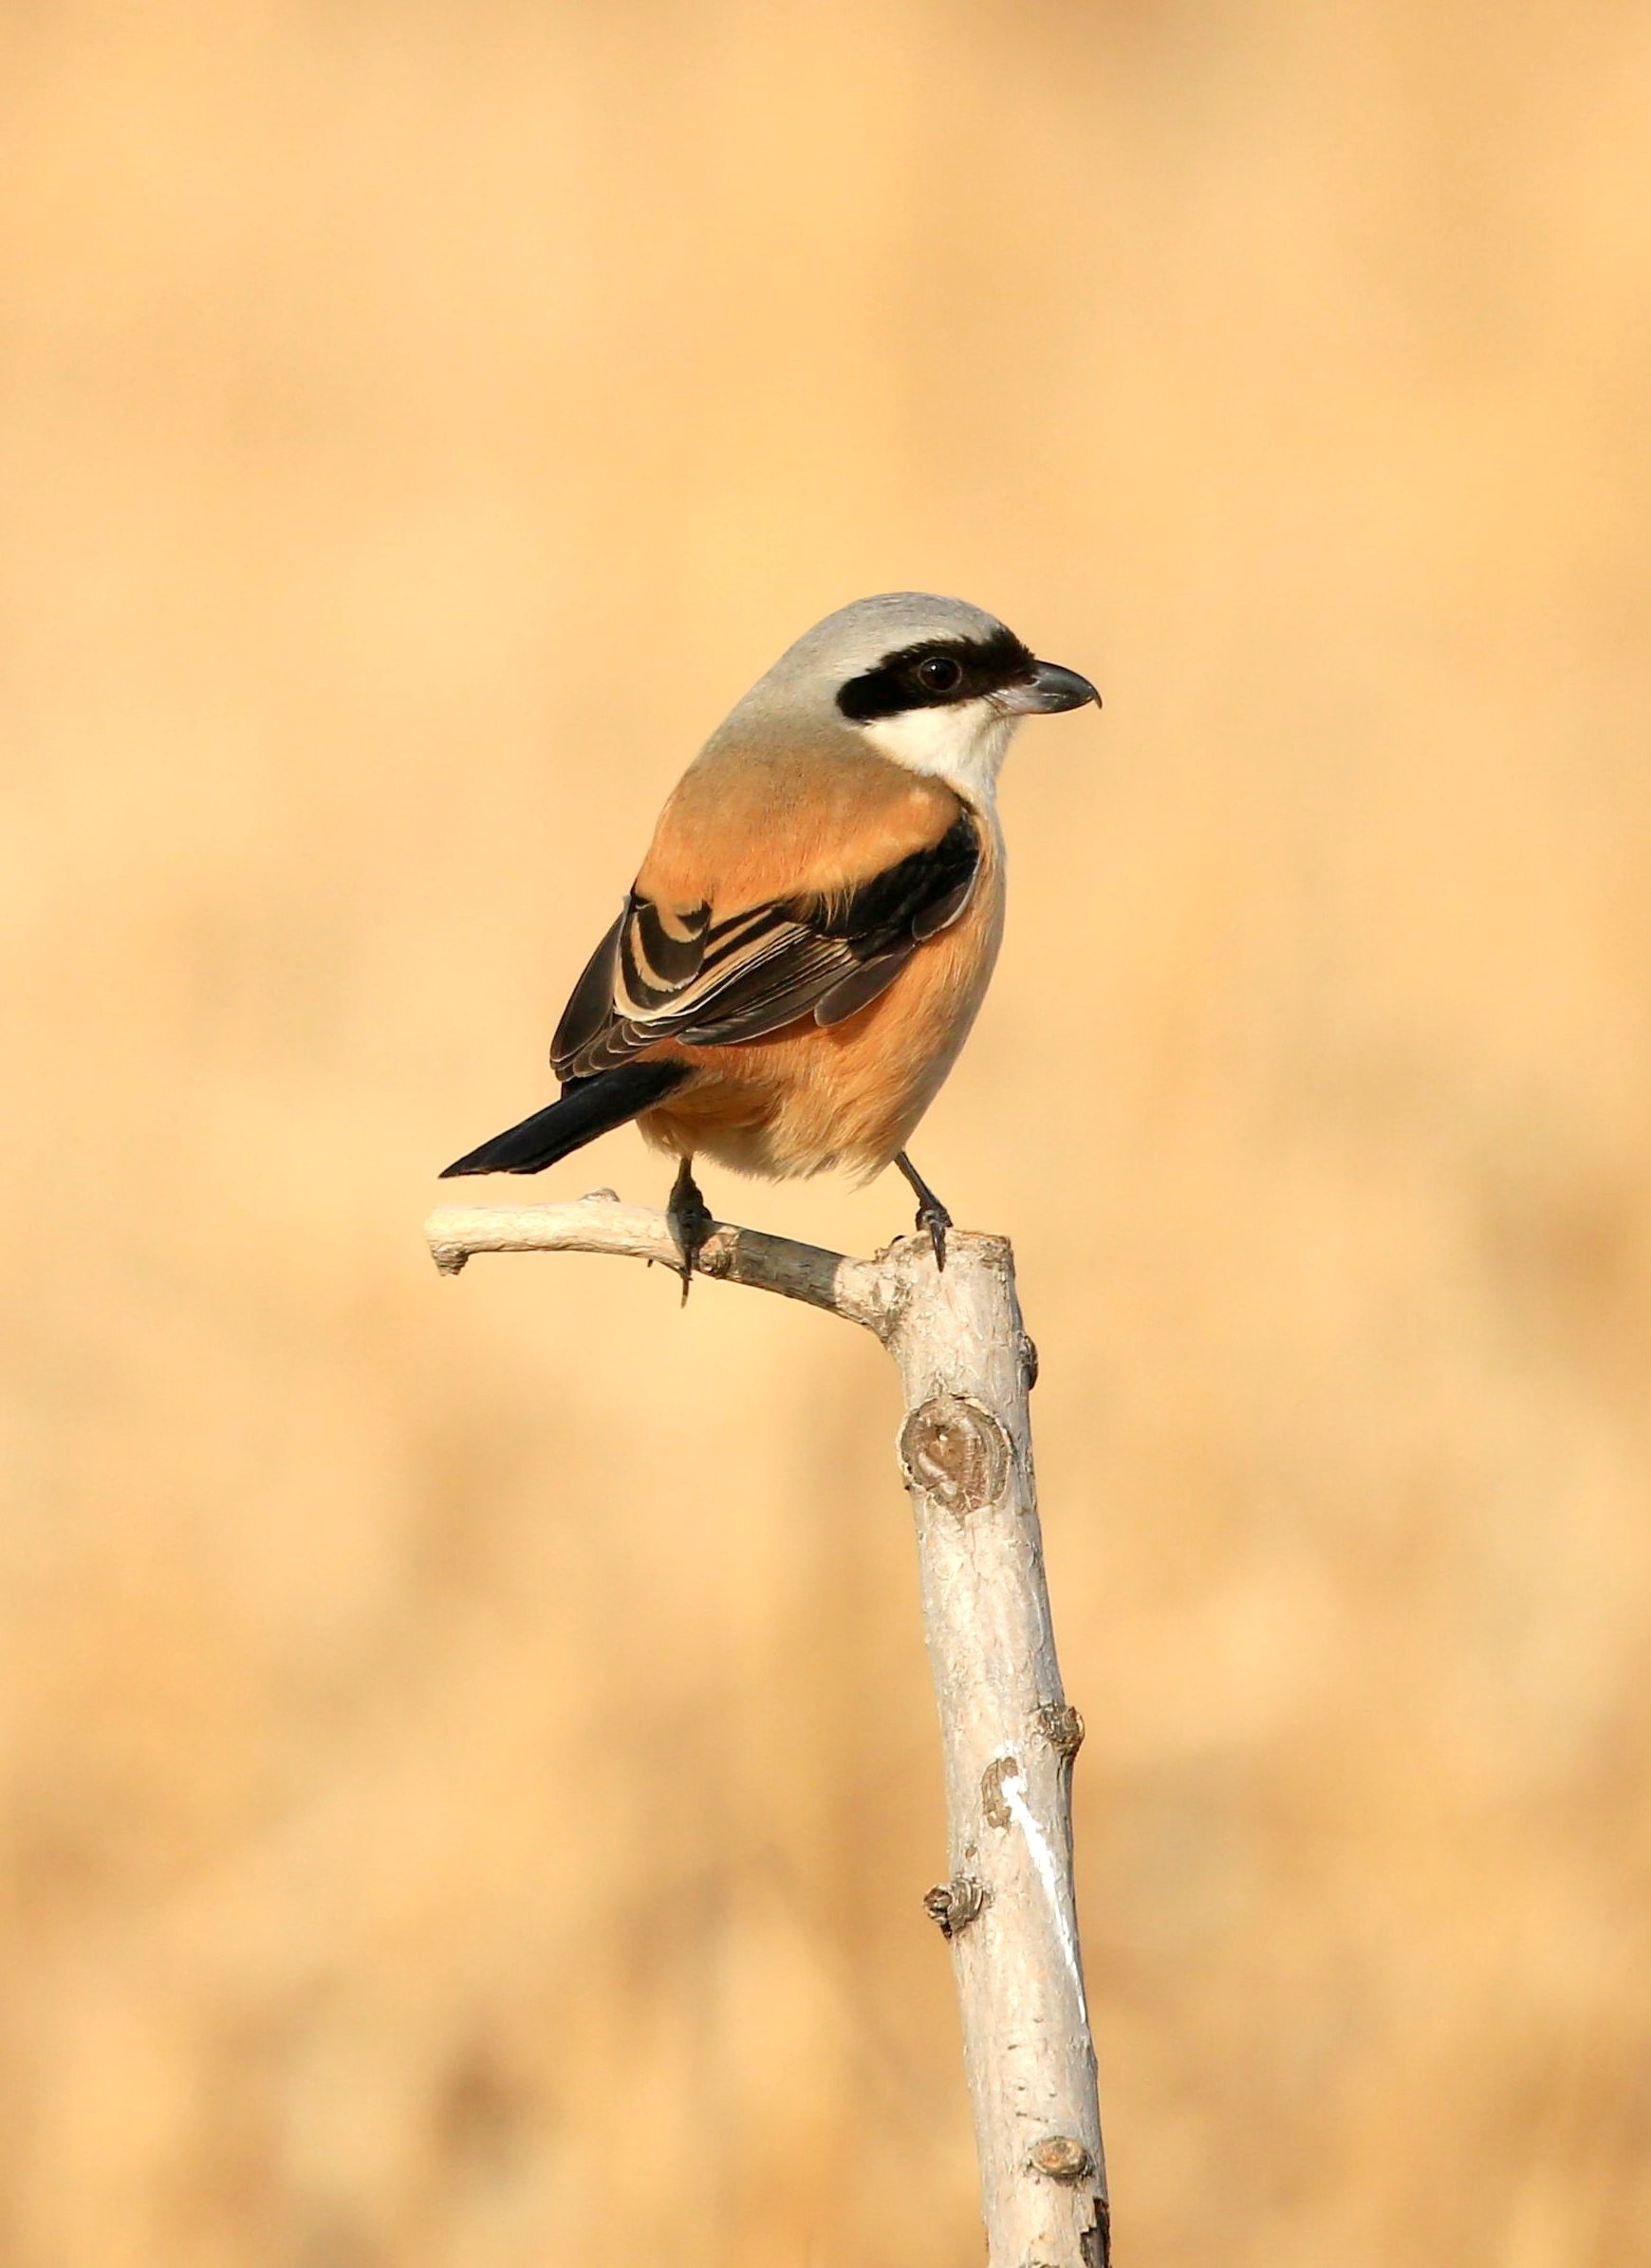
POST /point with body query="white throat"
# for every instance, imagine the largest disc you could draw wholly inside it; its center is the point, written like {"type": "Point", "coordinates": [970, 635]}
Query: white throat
{"type": "Point", "coordinates": [963, 744]}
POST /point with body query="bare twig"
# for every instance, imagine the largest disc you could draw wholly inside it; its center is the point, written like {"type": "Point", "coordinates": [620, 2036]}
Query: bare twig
{"type": "Point", "coordinates": [1007, 1907]}
{"type": "Point", "coordinates": [854, 1289]}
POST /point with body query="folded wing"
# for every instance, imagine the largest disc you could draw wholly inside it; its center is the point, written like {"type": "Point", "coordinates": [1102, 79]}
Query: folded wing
{"type": "Point", "coordinates": [678, 972]}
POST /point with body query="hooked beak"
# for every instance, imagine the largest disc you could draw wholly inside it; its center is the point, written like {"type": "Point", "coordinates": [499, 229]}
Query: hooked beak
{"type": "Point", "coordinates": [1048, 688]}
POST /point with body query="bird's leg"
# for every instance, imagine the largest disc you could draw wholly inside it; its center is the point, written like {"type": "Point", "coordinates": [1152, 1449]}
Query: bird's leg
{"type": "Point", "coordinates": [932, 1214]}
{"type": "Point", "coordinates": [691, 1221]}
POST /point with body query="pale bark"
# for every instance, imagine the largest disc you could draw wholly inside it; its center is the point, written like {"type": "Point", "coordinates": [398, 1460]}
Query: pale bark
{"type": "Point", "coordinates": [966, 1366]}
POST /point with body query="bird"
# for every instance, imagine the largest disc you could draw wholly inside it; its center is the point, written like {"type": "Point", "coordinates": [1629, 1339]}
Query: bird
{"type": "Point", "coordinates": [808, 940]}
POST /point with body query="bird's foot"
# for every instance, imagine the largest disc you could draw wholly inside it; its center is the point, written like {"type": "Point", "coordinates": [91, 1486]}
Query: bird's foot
{"type": "Point", "coordinates": [933, 1216]}
{"type": "Point", "coordinates": [691, 1221]}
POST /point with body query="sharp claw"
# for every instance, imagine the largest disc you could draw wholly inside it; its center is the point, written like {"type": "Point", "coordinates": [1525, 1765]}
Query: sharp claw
{"type": "Point", "coordinates": [932, 1214]}
{"type": "Point", "coordinates": [937, 1220]}
{"type": "Point", "coordinates": [691, 1232]}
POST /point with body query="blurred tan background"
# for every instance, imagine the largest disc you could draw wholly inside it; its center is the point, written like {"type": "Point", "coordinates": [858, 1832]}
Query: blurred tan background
{"type": "Point", "coordinates": [469, 1769]}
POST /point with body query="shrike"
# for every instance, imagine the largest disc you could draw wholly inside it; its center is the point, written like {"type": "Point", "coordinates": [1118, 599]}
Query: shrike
{"type": "Point", "coordinates": [802, 954]}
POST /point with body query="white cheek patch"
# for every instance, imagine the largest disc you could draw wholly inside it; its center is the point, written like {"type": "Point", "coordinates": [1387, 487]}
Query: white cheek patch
{"type": "Point", "coordinates": [963, 743]}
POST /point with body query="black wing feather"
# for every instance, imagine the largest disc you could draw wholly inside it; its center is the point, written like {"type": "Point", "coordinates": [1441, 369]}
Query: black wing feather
{"type": "Point", "coordinates": [859, 991]}
{"type": "Point", "coordinates": [888, 907]}
{"type": "Point", "coordinates": [590, 1006]}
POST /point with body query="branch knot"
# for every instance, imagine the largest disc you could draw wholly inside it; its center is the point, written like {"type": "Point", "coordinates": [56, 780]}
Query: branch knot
{"type": "Point", "coordinates": [954, 1905]}
{"type": "Point", "coordinates": [956, 1452]}
{"type": "Point", "coordinates": [1063, 2157]}
{"type": "Point", "coordinates": [1061, 1727]}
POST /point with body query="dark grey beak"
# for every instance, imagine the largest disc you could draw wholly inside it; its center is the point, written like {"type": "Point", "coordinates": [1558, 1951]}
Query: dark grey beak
{"type": "Point", "coordinates": [1048, 688]}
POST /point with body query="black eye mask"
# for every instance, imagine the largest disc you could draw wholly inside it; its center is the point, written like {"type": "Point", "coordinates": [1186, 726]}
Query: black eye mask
{"type": "Point", "coordinates": [900, 680]}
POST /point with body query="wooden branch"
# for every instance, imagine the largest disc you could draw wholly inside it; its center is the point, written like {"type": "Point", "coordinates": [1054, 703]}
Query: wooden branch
{"type": "Point", "coordinates": [854, 1289]}
{"type": "Point", "coordinates": [1006, 1908]}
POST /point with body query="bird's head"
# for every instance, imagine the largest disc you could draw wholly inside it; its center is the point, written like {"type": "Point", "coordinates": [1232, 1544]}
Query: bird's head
{"type": "Point", "coordinates": [931, 684]}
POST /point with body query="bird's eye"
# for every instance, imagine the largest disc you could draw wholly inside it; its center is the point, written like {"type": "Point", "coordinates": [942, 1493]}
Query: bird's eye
{"type": "Point", "coordinates": [939, 674]}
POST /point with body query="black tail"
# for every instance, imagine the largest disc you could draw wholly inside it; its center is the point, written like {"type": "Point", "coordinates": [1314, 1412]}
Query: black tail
{"type": "Point", "coordinates": [588, 1109]}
